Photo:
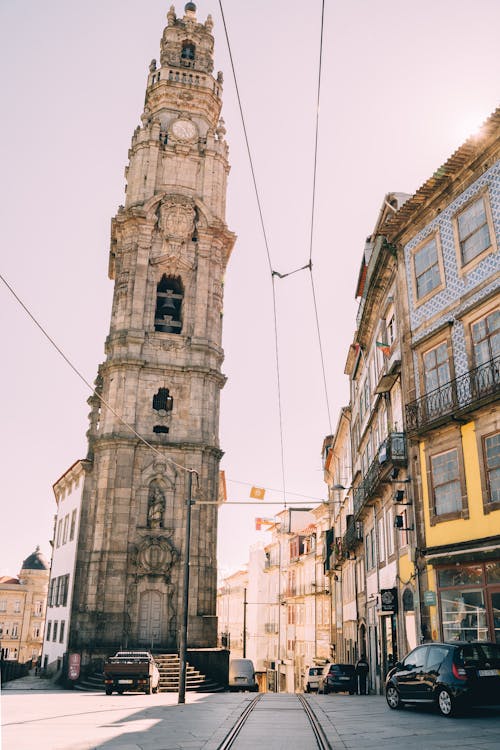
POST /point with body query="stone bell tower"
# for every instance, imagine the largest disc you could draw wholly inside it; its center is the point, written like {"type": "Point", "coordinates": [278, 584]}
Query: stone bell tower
{"type": "Point", "coordinates": [169, 249]}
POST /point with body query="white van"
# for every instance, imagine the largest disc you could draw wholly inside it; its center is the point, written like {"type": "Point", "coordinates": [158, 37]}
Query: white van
{"type": "Point", "coordinates": [311, 678]}
{"type": "Point", "coordinates": [242, 675]}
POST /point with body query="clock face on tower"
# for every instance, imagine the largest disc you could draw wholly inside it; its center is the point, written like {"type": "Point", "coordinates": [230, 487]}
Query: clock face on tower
{"type": "Point", "coordinates": [184, 130]}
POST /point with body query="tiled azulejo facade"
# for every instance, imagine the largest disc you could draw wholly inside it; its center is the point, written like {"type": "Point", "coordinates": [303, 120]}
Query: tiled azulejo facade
{"type": "Point", "coordinates": [437, 308]}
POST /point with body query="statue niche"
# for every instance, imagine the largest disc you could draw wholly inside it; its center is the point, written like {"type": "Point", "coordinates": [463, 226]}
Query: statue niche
{"type": "Point", "coordinates": [156, 506]}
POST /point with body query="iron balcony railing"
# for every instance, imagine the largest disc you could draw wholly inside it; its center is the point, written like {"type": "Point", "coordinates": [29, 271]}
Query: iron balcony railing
{"type": "Point", "coordinates": [461, 394]}
{"type": "Point", "coordinates": [352, 536]}
{"type": "Point", "coordinates": [392, 452]}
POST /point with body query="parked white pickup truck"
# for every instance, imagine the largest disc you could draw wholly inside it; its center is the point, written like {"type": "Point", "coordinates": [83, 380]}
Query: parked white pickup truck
{"type": "Point", "coordinates": [131, 670]}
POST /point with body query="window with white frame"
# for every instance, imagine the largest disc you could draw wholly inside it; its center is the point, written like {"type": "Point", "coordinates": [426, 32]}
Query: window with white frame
{"type": "Point", "coordinates": [73, 525]}
{"type": "Point", "coordinates": [473, 230]}
{"type": "Point", "coordinates": [370, 549]}
{"type": "Point", "coordinates": [59, 532]}
{"type": "Point", "coordinates": [369, 449]}
{"type": "Point", "coordinates": [360, 575]}
{"type": "Point", "coordinates": [381, 540]}
{"type": "Point", "coordinates": [367, 392]}
{"type": "Point", "coordinates": [3, 605]}
{"type": "Point", "coordinates": [403, 539]}
{"type": "Point", "coordinates": [51, 595]}
{"type": "Point", "coordinates": [391, 329]}
{"type": "Point", "coordinates": [17, 606]}
{"type": "Point", "coordinates": [389, 518]}
{"type": "Point", "coordinates": [65, 529]}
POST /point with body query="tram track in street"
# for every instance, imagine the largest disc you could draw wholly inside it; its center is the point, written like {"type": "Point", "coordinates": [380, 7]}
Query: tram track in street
{"type": "Point", "coordinates": [256, 723]}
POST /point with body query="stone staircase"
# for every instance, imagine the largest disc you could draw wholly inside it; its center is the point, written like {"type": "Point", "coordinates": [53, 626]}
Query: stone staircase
{"type": "Point", "coordinates": [91, 683]}
{"type": "Point", "coordinates": [168, 667]}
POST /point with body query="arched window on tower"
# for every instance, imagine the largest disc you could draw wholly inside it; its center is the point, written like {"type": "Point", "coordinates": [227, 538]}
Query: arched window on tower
{"type": "Point", "coordinates": [169, 296]}
{"type": "Point", "coordinates": [188, 54]}
{"type": "Point", "coordinates": [163, 401]}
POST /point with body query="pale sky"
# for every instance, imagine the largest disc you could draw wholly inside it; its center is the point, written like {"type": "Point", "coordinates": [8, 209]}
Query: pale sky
{"type": "Point", "coordinates": [403, 85]}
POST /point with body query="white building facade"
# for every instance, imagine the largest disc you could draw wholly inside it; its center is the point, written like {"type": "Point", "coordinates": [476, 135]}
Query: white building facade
{"type": "Point", "coordinates": [68, 494]}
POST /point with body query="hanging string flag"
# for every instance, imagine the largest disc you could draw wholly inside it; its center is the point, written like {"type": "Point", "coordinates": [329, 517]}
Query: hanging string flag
{"type": "Point", "coordinates": [257, 493]}
{"type": "Point", "coordinates": [264, 524]}
{"type": "Point", "coordinates": [222, 487]}
{"type": "Point", "coordinates": [385, 348]}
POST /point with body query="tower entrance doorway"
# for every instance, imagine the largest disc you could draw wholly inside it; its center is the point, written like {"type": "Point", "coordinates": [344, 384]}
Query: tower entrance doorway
{"type": "Point", "coordinates": [149, 618]}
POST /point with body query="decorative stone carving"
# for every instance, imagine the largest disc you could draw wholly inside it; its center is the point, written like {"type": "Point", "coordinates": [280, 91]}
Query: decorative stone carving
{"type": "Point", "coordinates": [156, 506]}
{"type": "Point", "coordinates": [155, 556]}
{"type": "Point", "coordinates": [183, 97]}
{"type": "Point", "coordinates": [221, 130]}
{"type": "Point", "coordinates": [177, 218]}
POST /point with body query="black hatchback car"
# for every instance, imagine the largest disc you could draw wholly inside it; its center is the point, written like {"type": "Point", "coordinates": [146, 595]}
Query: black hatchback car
{"type": "Point", "coordinates": [337, 678]}
{"type": "Point", "coordinates": [454, 676]}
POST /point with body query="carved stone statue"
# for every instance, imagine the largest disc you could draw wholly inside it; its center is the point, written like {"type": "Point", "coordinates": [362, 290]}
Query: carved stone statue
{"type": "Point", "coordinates": [156, 507]}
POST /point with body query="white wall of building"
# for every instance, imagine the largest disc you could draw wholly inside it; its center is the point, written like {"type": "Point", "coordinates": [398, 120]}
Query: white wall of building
{"type": "Point", "coordinates": [68, 492]}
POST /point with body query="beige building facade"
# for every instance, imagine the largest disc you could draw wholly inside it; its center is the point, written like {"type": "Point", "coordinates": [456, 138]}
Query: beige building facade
{"type": "Point", "coordinates": [162, 375]}
{"type": "Point", "coordinates": [23, 603]}
{"type": "Point", "coordinates": [283, 602]}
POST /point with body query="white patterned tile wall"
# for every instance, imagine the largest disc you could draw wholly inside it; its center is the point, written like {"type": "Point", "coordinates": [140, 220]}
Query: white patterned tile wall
{"type": "Point", "coordinates": [455, 285]}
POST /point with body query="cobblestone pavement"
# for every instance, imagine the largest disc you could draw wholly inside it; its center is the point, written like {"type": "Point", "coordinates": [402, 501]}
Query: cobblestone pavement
{"type": "Point", "coordinates": [47, 718]}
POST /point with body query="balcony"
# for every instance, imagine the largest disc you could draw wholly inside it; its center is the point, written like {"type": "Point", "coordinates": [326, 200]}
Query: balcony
{"type": "Point", "coordinates": [455, 398]}
{"type": "Point", "coordinates": [392, 452]}
{"type": "Point", "coordinates": [352, 536]}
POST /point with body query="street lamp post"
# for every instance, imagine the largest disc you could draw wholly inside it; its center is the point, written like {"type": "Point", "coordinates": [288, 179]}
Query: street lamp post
{"type": "Point", "coordinates": [244, 623]}
{"type": "Point", "coordinates": [185, 595]}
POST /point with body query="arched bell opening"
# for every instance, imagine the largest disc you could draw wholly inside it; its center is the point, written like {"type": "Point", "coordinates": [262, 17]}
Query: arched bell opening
{"type": "Point", "coordinates": [169, 296]}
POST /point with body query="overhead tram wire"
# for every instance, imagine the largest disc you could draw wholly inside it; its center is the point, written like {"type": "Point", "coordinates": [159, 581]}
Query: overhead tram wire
{"type": "Point", "coordinates": [91, 387]}
{"type": "Point", "coordinates": [123, 422]}
{"type": "Point", "coordinates": [313, 212]}
{"type": "Point", "coordinates": [266, 243]}
{"type": "Point", "coordinates": [318, 96]}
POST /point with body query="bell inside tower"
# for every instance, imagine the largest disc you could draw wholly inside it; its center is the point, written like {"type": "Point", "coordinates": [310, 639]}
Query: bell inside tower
{"type": "Point", "coordinates": [169, 296]}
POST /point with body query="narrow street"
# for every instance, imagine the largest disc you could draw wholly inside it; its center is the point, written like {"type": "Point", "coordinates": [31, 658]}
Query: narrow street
{"type": "Point", "coordinates": [63, 720]}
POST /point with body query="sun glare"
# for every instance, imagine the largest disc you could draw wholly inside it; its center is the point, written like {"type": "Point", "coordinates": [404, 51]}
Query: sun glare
{"type": "Point", "coordinates": [468, 126]}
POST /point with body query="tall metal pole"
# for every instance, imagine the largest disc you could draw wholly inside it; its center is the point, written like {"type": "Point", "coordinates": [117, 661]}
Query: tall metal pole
{"type": "Point", "coordinates": [244, 623]}
{"type": "Point", "coordinates": [185, 597]}
{"type": "Point", "coordinates": [278, 663]}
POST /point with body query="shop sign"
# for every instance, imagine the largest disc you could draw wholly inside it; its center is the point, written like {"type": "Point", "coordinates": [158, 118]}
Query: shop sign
{"type": "Point", "coordinates": [430, 598]}
{"type": "Point", "coordinates": [74, 666]}
{"type": "Point", "coordinates": [389, 599]}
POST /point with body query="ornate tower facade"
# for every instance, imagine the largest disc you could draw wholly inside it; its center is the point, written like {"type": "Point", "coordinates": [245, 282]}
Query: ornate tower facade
{"type": "Point", "coordinates": [162, 373]}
